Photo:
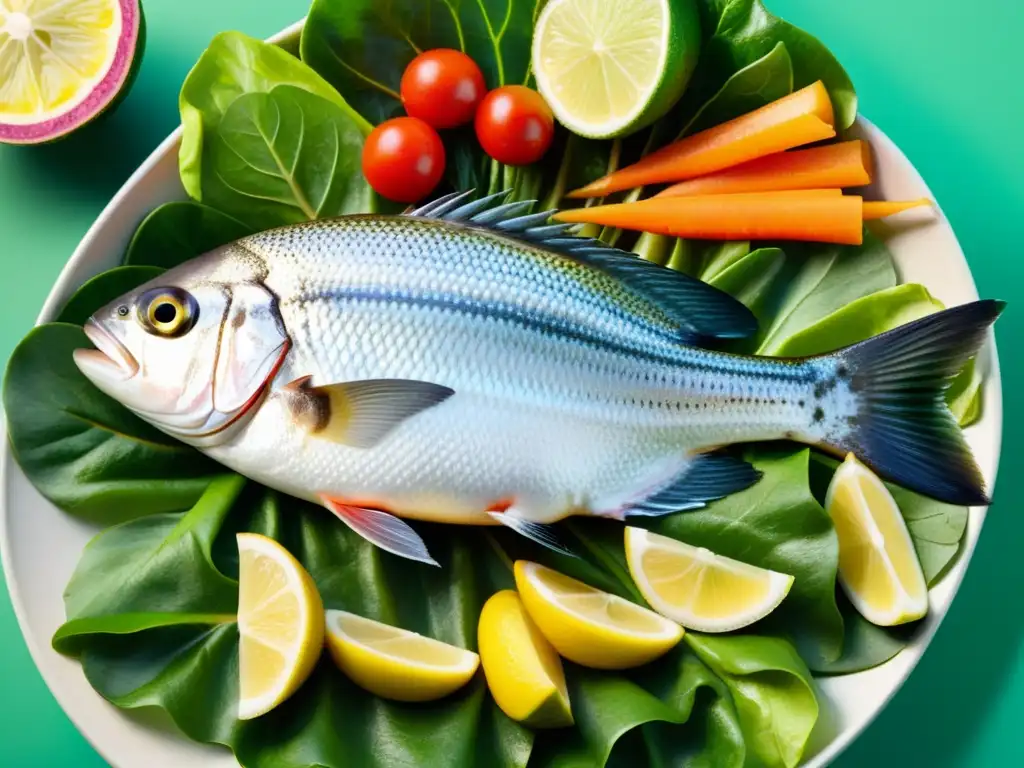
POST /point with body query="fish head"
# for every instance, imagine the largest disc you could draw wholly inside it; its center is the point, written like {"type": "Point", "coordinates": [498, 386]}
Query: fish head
{"type": "Point", "coordinates": [191, 351]}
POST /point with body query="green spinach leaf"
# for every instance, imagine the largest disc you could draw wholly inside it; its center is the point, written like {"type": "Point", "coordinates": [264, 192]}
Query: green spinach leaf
{"type": "Point", "coordinates": [235, 65]}
{"type": "Point", "coordinates": [739, 32]}
{"type": "Point", "coordinates": [284, 157]}
{"type": "Point", "coordinates": [86, 453]}
{"type": "Point", "coordinates": [176, 232]}
{"type": "Point", "coordinates": [771, 688]}
{"type": "Point", "coordinates": [102, 289]}
{"type": "Point", "coordinates": [363, 47]}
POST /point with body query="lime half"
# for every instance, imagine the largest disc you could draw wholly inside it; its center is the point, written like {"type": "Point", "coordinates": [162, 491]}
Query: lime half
{"type": "Point", "coordinates": [611, 67]}
{"type": "Point", "coordinates": [63, 62]}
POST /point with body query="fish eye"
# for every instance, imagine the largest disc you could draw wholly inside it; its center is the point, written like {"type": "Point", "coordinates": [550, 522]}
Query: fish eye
{"type": "Point", "coordinates": [167, 311]}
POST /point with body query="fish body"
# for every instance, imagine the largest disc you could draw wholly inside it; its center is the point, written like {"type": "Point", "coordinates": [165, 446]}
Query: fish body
{"type": "Point", "coordinates": [471, 364]}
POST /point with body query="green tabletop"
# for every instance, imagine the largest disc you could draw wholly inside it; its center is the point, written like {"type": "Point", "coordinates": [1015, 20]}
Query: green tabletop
{"type": "Point", "coordinates": [942, 79]}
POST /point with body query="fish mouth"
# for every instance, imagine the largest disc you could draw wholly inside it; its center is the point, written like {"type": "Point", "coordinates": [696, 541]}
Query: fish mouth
{"type": "Point", "coordinates": [110, 357]}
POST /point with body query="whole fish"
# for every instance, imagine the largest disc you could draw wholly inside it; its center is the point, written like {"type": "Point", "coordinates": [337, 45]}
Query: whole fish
{"type": "Point", "coordinates": [469, 362]}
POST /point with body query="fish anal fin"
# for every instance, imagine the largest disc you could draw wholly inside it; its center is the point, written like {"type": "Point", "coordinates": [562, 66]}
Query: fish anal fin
{"type": "Point", "coordinates": [382, 529]}
{"type": "Point", "coordinates": [540, 533]}
{"type": "Point", "coordinates": [358, 413]}
{"type": "Point", "coordinates": [705, 478]}
{"type": "Point", "coordinates": [702, 311]}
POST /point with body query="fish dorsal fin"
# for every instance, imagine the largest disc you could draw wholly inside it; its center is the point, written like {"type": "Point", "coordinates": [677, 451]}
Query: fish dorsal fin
{"type": "Point", "coordinates": [702, 311]}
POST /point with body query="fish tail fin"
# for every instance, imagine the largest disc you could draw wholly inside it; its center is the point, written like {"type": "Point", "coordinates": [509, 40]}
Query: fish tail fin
{"type": "Point", "coordinates": [903, 428]}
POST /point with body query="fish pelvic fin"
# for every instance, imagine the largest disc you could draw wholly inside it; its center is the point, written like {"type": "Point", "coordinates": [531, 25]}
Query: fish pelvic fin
{"type": "Point", "coordinates": [541, 533]}
{"type": "Point", "coordinates": [902, 428]}
{"type": "Point", "coordinates": [382, 529]}
{"type": "Point", "coordinates": [705, 478]}
{"type": "Point", "coordinates": [702, 312]}
{"type": "Point", "coordinates": [358, 413]}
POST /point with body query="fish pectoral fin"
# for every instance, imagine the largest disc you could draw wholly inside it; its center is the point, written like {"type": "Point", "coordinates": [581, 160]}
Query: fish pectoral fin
{"type": "Point", "coordinates": [541, 533]}
{"type": "Point", "coordinates": [706, 478]}
{"type": "Point", "coordinates": [382, 529]}
{"type": "Point", "coordinates": [359, 413]}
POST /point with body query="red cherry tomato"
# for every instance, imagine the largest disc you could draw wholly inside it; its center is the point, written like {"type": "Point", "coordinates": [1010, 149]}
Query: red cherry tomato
{"type": "Point", "coordinates": [403, 159]}
{"type": "Point", "coordinates": [514, 125]}
{"type": "Point", "coordinates": [442, 87]}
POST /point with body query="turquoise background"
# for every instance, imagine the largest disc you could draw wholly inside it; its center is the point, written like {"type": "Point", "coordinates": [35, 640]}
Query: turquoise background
{"type": "Point", "coordinates": [944, 84]}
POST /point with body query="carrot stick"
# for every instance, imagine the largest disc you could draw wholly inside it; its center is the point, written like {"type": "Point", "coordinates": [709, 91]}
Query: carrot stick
{"type": "Point", "coordinates": [845, 164]}
{"type": "Point", "coordinates": [801, 215]}
{"type": "Point", "coordinates": [879, 210]}
{"type": "Point", "coordinates": [801, 118]}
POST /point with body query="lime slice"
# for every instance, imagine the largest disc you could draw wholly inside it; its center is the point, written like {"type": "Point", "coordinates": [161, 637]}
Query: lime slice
{"type": "Point", "coordinates": [395, 663]}
{"type": "Point", "coordinates": [591, 627]}
{"type": "Point", "coordinates": [63, 62]}
{"type": "Point", "coordinates": [280, 624]}
{"type": "Point", "coordinates": [878, 566]}
{"type": "Point", "coordinates": [699, 589]}
{"type": "Point", "coordinates": [611, 67]}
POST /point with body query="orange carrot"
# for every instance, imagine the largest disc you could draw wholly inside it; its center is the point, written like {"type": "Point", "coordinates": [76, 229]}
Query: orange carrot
{"type": "Point", "coordinates": [879, 210]}
{"type": "Point", "coordinates": [800, 215]}
{"type": "Point", "coordinates": [801, 118]}
{"type": "Point", "coordinates": [846, 164]}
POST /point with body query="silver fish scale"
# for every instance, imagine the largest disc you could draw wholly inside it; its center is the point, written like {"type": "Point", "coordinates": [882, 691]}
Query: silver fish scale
{"type": "Point", "coordinates": [569, 389]}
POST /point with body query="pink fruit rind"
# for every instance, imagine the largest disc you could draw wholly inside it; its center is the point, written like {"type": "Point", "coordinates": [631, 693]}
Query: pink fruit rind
{"type": "Point", "coordinates": [102, 94]}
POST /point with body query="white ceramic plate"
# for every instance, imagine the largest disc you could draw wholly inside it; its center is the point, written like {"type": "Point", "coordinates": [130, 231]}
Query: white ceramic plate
{"type": "Point", "coordinates": [41, 545]}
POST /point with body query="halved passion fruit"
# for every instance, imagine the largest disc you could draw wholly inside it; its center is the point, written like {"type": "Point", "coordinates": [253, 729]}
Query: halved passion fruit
{"type": "Point", "coordinates": [64, 62]}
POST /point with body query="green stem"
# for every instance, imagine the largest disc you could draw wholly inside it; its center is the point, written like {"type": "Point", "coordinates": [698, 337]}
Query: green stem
{"type": "Point", "coordinates": [502, 554]}
{"type": "Point", "coordinates": [554, 198]}
{"type": "Point", "coordinates": [651, 247]}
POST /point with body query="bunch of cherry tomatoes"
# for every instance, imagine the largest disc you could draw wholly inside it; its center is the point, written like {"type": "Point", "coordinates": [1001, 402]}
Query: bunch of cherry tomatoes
{"type": "Point", "coordinates": [403, 158]}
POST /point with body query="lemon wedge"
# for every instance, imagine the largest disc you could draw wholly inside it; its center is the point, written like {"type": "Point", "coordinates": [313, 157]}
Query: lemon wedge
{"type": "Point", "coordinates": [280, 623]}
{"type": "Point", "coordinates": [590, 627]}
{"type": "Point", "coordinates": [395, 663]}
{"type": "Point", "coordinates": [878, 567]}
{"type": "Point", "coordinates": [523, 671]}
{"type": "Point", "coordinates": [699, 589]}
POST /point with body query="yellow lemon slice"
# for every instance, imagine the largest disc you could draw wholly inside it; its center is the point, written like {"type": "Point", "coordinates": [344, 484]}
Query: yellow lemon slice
{"type": "Point", "coordinates": [523, 671]}
{"type": "Point", "coordinates": [878, 567]}
{"type": "Point", "coordinates": [280, 623]}
{"type": "Point", "coordinates": [62, 62]}
{"type": "Point", "coordinates": [699, 589]}
{"type": "Point", "coordinates": [395, 663]}
{"type": "Point", "coordinates": [591, 627]}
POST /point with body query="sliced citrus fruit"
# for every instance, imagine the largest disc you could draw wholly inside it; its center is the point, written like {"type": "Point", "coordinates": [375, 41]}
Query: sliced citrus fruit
{"type": "Point", "coordinates": [878, 566]}
{"type": "Point", "coordinates": [523, 671]}
{"type": "Point", "coordinates": [611, 67]}
{"type": "Point", "coordinates": [591, 627]}
{"type": "Point", "coordinates": [699, 589]}
{"type": "Point", "coordinates": [280, 624]}
{"type": "Point", "coordinates": [63, 62]}
{"type": "Point", "coordinates": [395, 663]}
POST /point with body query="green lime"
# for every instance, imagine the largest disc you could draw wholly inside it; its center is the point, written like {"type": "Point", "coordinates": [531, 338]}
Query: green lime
{"type": "Point", "coordinates": [611, 67]}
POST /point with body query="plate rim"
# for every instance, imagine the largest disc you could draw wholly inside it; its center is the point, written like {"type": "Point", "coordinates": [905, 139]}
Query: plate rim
{"type": "Point", "coordinates": [823, 757]}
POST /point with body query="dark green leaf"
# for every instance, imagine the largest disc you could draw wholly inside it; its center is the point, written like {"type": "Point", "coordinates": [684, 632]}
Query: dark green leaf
{"type": "Point", "coordinates": [818, 280]}
{"type": "Point", "coordinates": [177, 232]}
{"type": "Point", "coordinates": [85, 452]}
{"type": "Point", "coordinates": [864, 645]}
{"type": "Point", "coordinates": [739, 32]}
{"type": "Point", "coordinates": [761, 82]}
{"type": "Point", "coordinates": [779, 525]}
{"type": "Point", "coordinates": [284, 157]}
{"type": "Point", "coordinates": [150, 608]}
{"type": "Point", "coordinates": [235, 65]}
{"type": "Point", "coordinates": [102, 289]}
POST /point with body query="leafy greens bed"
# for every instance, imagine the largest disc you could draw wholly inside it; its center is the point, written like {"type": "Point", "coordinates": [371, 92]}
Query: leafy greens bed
{"type": "Point", "coordinates": [270, 139]}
